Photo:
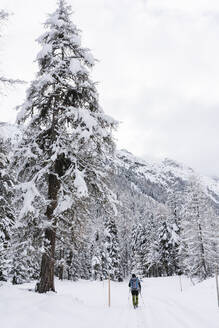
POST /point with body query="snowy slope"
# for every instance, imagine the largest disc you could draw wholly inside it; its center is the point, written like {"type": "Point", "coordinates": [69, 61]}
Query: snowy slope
{"type": "Point", "coordinates": [156, 177]}
{"type": "Point", "coordinates": [84, 304]}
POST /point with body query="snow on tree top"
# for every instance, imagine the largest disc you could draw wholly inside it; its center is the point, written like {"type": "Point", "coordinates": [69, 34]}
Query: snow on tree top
{"type": "Point", "coordinates": [45, 51]}
{"type": "Point", "coordinates": [75, 66]}
{"type": "Point", "coordinates": [56, 20]}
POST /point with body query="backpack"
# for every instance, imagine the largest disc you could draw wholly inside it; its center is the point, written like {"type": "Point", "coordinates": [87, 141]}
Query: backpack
{"type": "Point", "coordinates": [134, 284]}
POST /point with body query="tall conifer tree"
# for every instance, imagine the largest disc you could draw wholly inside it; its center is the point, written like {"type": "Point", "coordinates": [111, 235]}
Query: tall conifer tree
{"type": "Point", "coordinates": [198, 238]}
{"type": "Point", "coordinates": [112, 250]}
{"type": "Point", "coordinates": [67, 137]}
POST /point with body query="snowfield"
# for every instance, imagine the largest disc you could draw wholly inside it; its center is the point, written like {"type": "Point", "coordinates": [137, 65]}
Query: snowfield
{"type": "Point", "coordinates": [83, 304]}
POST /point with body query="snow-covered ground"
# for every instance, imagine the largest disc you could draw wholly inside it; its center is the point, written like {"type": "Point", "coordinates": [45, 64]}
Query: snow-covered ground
{"type": "Point", "coordinates": [84, 305]}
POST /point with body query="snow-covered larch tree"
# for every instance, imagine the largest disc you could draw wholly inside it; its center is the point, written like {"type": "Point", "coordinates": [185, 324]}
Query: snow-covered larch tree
{"type": "Point", "coordinates": [198, 239]}
{"type": "Point", "coordinates": [67, 136]}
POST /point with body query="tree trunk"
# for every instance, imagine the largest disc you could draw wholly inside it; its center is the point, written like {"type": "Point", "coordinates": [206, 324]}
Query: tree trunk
{"type": "Point", "coordinates": [46, 282]}
{"type": "Point", "coordinates": [47, 265]}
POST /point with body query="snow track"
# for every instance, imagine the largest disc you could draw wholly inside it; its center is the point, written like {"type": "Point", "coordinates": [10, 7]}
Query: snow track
{"type": "Point", "coordinates": [83, 304]}
{"type": "Point", "coordinates": [170, 314]}
{"type": "Point", "coordinates": [163, 305]}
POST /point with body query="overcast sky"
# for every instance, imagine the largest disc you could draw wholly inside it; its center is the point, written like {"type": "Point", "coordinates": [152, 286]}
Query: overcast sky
{"type": "Point", "coordinates": [158, 70]}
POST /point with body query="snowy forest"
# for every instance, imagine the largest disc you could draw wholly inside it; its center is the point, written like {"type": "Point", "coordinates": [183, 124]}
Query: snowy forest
{"type": "Point", "coordinates": [72, 205]}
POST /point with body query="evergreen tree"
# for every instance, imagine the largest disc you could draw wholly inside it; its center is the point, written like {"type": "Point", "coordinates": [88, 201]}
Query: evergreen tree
{"type": "Point", "coordinates": [168, 247]}
{"type": "Point", "coordinates": [152, 254]}
{"type": "Point", "coordinates": [125, 246]}
{"type": "Point", "coordinates": [71, 246]}
{"type": "Point", "coordinates": [67, 137]}
{"type": "Point", "coordinates": [85, 268]}
{"type": "Point", "coordinates": [25, 261]}
{"type": "Point", "coordinates": [134, 255]}
{"type": "Point", "coordinates": [7, 215]}
{"type": "Point", "coordinates": [96, 258]}
{"type": "Point", "coordinates": [198, 242]}
{"type": "Point", "coordinates": [174, 202]}
{"type": "Point", "coordinates": [112, 250]}
{"type": "Point", "coordinates": [164, 246]}
{"type": "Point", "coordinates": [139, 250]}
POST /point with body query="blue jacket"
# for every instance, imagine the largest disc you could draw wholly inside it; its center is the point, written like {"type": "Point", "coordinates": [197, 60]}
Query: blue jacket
{"type": "Point", "coordinates": [135, 284]}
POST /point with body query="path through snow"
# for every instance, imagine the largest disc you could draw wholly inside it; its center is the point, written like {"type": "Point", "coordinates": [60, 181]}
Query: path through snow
{"type": "Point", "coordinates": [83, 304]}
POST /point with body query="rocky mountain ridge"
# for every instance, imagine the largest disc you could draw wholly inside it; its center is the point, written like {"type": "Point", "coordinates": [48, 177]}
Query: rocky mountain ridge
{"type": "Point", "coordinates": [154, 178]}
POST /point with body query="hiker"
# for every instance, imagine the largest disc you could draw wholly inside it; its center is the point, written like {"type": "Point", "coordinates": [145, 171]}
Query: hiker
{"type": "Point", "coordinates": [135, 288]}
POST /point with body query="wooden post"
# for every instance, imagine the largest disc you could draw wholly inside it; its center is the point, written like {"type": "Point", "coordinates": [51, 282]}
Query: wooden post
{"type": "Point", "coordinates": [109, 296]}
{"type": "Point", "coordinates": [216, 276]}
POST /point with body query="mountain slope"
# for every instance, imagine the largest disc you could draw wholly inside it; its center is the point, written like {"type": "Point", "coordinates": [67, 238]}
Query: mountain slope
{"type": "Point", "coordinates": [155, 178]}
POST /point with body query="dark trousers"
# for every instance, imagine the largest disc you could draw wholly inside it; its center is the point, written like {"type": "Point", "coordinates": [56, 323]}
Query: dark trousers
{"type": "Point", "coordinates": [135, 297]}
